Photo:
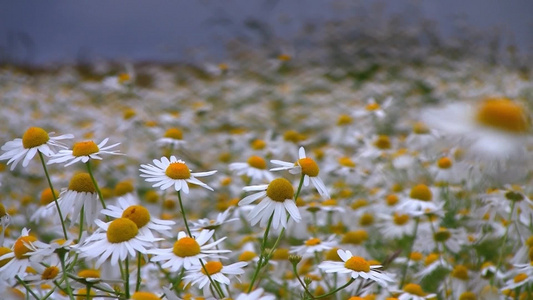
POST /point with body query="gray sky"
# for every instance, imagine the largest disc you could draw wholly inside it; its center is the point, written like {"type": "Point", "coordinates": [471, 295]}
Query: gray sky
{"type": "Point", "coordinates": [63, 30]}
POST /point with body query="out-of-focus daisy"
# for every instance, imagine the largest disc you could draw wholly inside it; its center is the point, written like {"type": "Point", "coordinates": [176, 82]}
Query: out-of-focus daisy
{"type": "Point", "coordinates": [140, 216]}
{"type": "Point", "coordinates": [313, 245]}
{"type": "Point", "coordinates": [413, 291]}
{"type": "Point", "coordinates": [254, 168]}
{"type": "Point", "coordinates": [419, 202]}
{"type": "Point", "coordinates": [187, 251]}
{"type": "Point", "coordinates": [215, 269]}
{"type": "Point", "coordinates": [167, 173]}
{"type": "Point", "coordinates": [18, 259]}
{"type": "Point", "coordinates": [45, 211]}
{"type": "Point", "coordinates": [308, 167]}
{"type": "Point", "coordinates": [83, 151]}
{"type": "Point", "coordinates": [121, 81]}
{"type": "Point", "coordinates": [374, 109]}
{"type": "Point", "coordinates": [173, 137]}
{"type": "Point", "coordinates": [517, 281]}
{"type": "Point", "coordinates": [277, 200]}
{"type": "Point", "coordinates": [116, 240]}
{"type": "Point", "coordinates": [356, 267]}
{"type": "Point", "coordinates": [34, 140]}
{"type": "Point", "coordinates": [80, 193]}
{"type": "Point", "coordinates": [494, 127]}
{"type": "Point", "coordinates": [258, 294]}
{"type": "Point", "coordinates": [210, 224]}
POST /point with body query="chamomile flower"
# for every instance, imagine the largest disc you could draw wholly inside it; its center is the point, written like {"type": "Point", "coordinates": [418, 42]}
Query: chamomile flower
{"type": "Point", "coordinates": [18, 259]}
{"type": "Point", "coordinates": [308, 167]}
{"type": "Point", "coordinates": [167, 173]}
{"type": "Point", "coordinates": [258, 294]}
{"type": "Point", "coordinates": [172, 137]}
{"type": "Point", "coordinates": [187, 251]}
{"type": "Point", "coordinates": [254, 168]}
{"type": "Point", "coordinates": [210, 224]}
{"type": "Point", "coordinates": [419, 202]}
{"type": "Point", "coordinates": [313, 245]}
{"type": "Point", "coordinates": [413, 291]}
{"type": "Point", "coordinates": [277, 201]}
{"type": "Point", "coordinates": [215, 269]}
{"type": "Point", "coordinates": [34, 140]}
{"type": "Point", "coordinates": [356, 267]}
{"type": "Point", "coordinates": [117, 240]}
{"type": "Point", "coordinates": [84, 151]}
{"type": "Point", "coordinates": [493, 127]}
{"type": "Point", "coordinates": [140, 216]}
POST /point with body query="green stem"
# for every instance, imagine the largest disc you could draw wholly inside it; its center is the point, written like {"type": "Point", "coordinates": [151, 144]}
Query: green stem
{"type": "Point", "coordinates": [500, 258]}
{"type": "Point", "coordinates": [301, 282]}
{"type": "Point", "coordinates": [127, 276]}
{"type": "Point", "coordinates": [260, 263]}
{"type": "Point", "coordinates": [61, 255]}
{"type": "Point", "coordinates": [183, 215]}
{"type": "Point", "coordinates": [336, 290]}
{"type": "Point", "coordinates": [26, 286]}
{"type": "Point", "coordinates": [89, 169]}
{"type": "Point", "coordinates": [138, 285]}
{"type": "Point", "coordinates": [54, 195]}
{"type": "Point", "coordinates": [417, 220]}
{"type": "Point", "coordinates": [213, 283]}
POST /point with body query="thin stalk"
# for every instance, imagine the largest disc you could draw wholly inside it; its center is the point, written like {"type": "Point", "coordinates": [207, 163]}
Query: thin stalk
{"type": "Point", "coordinates": [183, 215]}
{"type": "Point", "coordinates": [61, 255]}
{"type": "Point", "coordinates": [336, 290]}
{"type": "Point", "coordinates": [500, 258]}
{"type": "Point", "coordinates": [138, 285]}
{"type": "Point", "coordinates": [89, 169]}
{"type": "Point", "coordinates": [53, 195]}
{"type": "Point", "coordinates": [28, 289]}
{"type": "Point", "coordinates": [262, 255]}
{"type": "Point", "coordinates": [127, 277]}
{"type": "Point", "coordinates": [417, 220]}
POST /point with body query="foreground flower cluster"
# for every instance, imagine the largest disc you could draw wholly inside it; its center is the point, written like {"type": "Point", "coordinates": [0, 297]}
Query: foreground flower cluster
{"type": "Point", "coordinates": [276, 182]}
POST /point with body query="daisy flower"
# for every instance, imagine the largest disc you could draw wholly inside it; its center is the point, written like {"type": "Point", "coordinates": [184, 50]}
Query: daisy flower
{"type": "Point", "coordinates": [306, 166]}
{"type": "Point", "coordinates": [206, 223]}
{"type": "Point", "coordinates": [172, 137]}
{"type": "Point", "coordinates": [419, 202]}
{"type": "Point", "coordinates": [258, 294]}
{"type": "Point", "coordinates": [140, 216]}
{"type": "Point", "coordinates": [187, 251]}
{"type": "Point", "coordinates": [16, 261]}
{"type": "Point", "coordinates": [277, 200]}
{"type": "Point", "coordinates": [173, 172]}
{"type": "Point", "coordinates": [254, 167]}
{"type": "Point", "coordinates": [372, 108]}
{"type": "Point", "coordinates": [356, 267]}
{"type": "Point", "coordinates": [115, 240]}
{"type": "Point", "coordinates": [34, 140]}
{"type": "Point", "coordinates": [494, 127]}
{"type": "Point", "coordinates": [313, 245]}
{"type": "Point", "coordinates": [413, 291]}
{"type": "Point", "coordinates": [83, 151]}
{"type": "Point", "coordinates": [215, 269]}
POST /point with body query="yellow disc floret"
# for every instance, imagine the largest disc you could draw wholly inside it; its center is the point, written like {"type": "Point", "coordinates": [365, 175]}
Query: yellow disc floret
{"type": "Point", "coordinates": [382, 142]}
{"type": "Point", "coordinates": [3, 251]}
{"type": "Point", "coordinates": [442, 235]}
{"type": "Point", "coordinates": [344, 120]}
{"type": "Point", "coordinates": [313, 242]}
{"type": "Point", "coordinates": [258, 144]}
{"type": "Point", "coordinates": [20, 247]}
{"type": "Point", "coordinates": [178, 170]}
{"type": "Point", "coordinates": [123, 187]}
{"type": "Point", "coordinates": [414, 289]}
{"type": "Point", "coordinates": [185, 247]}
{"type": "Point", "coordinates": [85, 148]}
{"type": "Point", "coordinates": [467, 296]}
{"type": "Point", "coordinates": [444, 163]}
{"type": "Point", "coordinates": [257, 162]}
{"type": "Point", "coordinates": [174, 133]}
{"type": "Point", "coordinates": [89, 273]}
{"type": "Point", "coordinates": [81, 183]}
{"type": "Point", "coordinates": [420, 128]}
{"type": "Point", "coordinates": [358, 264]}
{"type": "Point", "coordinates": [247, 256]}
{"type": "Point", "coordinates": [144, 296]}
{"type": "Point", "coordinates": [400, 219]}
{"type": "Point", "coordinates": [121, 230]}
{"type": "Point", "coordinates": [372, 106]}
{"type": "Point", "coordinates": [138, 214]}
{"type": "Point", "coordinates": [34, 137]}
{"type": "Point", "coordinates": [460, 272]}
{"type": "Point", "coordinates": [346, 162]}
{"type": "Point", "coordinates": [309, 166]}
{"type": "Point", "coordinates": [520, 277]}
{"type": "Point", "coordinates": [47, 196]}
{"type": "Point", "coordinates": [83, 294]}
{"type": "Point", "coordinates": [212, 267]}
{"type": "Point", "coordinates": [355, 237]}
{"type": "Point", "coordinates": [50, 273]}
{"type": "Point", "coordinates": [503, 114]}
{"type": "Point", "coordinates": [280, 189]}
{"type": "Point", "coordinates": [421, 192]}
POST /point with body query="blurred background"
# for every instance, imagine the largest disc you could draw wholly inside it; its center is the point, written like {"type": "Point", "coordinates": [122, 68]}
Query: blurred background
{"type": "Point", "coordinates": [43, 33]}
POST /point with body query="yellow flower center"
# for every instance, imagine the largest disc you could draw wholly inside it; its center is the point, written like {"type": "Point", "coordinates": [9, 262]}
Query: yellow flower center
{"type": "Point", "coordinates": [82, 183]}
{"type": "Point", "coordinates": [460, 272]}
{"type": "Point", "coordinates": [355, 237]}
{"type": "Point", "coordinates": [366, 219]}
{"type": "Point", "coordinates": [50, 273]}
{"type": "Point", "coordinates": [421, 192]}
{"type": "Point", "coordinates": [123, 77]}
{"type": "Point", "coordinates": [47, 196]}
{"type": "Point", "coordinates": [358, 264]}
{"type": "Point", "coordinates": [529, 240]}
{"type": "Point", "coordinates": [346, 162]}
{"type": "Point", "coordinates": [258, 145]}
{"type": "Point", "coordinates": [281, 254]}
{"type": "Point", "coordinates": [329, 202]}
{"type": "Point", "coordinates": [257, 162]}
{"type": "Point", "coordinates": [414, 289]}
{"type": "Point", "coordinates": [431, 258]}
{"type": "Point", "coordinates": [392, 199]}
{"type": "Point", "coordinates": [382, 142]}
{"type": "Point", "coordinates": [292, 136]}
{"type": "Point", "coordinates": [333, 255]}
{"type": "Point", "coordinates": [174, 133]}
{"type": "Point", "coordinates": [420, 128]}
{"type": "Point", "coordinates": [144, 296]}
{"type": "Point", "coordinates": [212, 267]}
{"type": "Point", "coordinates": [20, 248]}
{"type": "Point", "coordinates": [467, 296]}
{"type": "Point", "coordinates": [84, 148]}
{"type": "Point", "coordinates": [34, 137]}
{"type": "Point", "coordinates": [138, 214]}
{"type": "Point", "coordinates": [129, 113]}
{"type": "Point", "coordinates": [416, 256]}
{"type": "Point", "coordinates": [520, 277]}
{"type": "Point", "coordinates": [83, 294]}
{"type": "Point", "coordinates": [4, 250]}
{"type": "Point", "coordinates": [151, 196]}
{"type": "Point", "coordinates": [344, 120]}
{"type": "Point", "coordinates": [309, 166]}
{"type": "Point", "coordinates": [372, 106]}
{"type": "Point", "coordinates": [400, 219]}
{"type": "Point", "coordinates": [359, 203]}
{"type": "Point", "coordinates": [442, 235]}
{"type": "Point", "coordinates": [122, 188]}
{"type": "Point", "coordinates": [503, 114]}
{"type": "Point", "coordinates": [121, 230]}
{"type": "Point", "coordinates": [280, 189]}
{"type": "Point", "coordinates": [178, 170]}
{"type": "Point", "coordinates": [313, 242]}
{"type": "Point", "coordinates": [89, 273]}
{"type": "Point", "coordinates": [444, 163]}
{"type": "Point", "coordinates": [284, 57]}
{"type": "Point", "coordinates": [185, 247]}
{"type": "Point", "coordinates": [247, 256]}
